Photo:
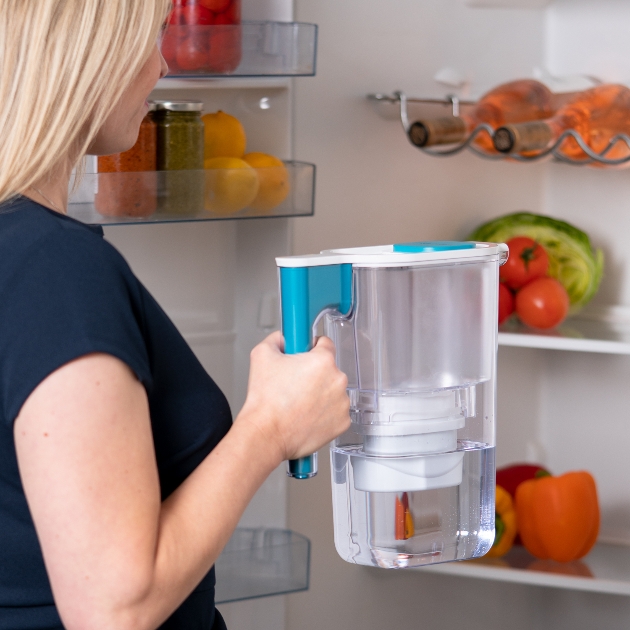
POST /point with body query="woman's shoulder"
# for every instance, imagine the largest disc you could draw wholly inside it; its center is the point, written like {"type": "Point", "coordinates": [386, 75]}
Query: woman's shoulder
{"type": "Point", "coordinates": [33, 235]}
{"type": "Point", "coordinates": [64, 293]}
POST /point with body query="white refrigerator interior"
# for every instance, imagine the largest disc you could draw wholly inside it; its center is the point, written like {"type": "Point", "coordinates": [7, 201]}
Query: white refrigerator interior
{"type": "Point", "coordinates": [565, 409]}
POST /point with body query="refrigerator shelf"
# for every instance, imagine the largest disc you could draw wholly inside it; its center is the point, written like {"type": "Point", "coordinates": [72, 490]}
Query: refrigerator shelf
{"type": "Point", "coordinates": [262, 562]}
{"type": "Point", "coordinates": [249, 49]}
{"type": "Point", "coordinates": [575, 334]}
{"type": "Point", "coordinates": [221, 83]}
{"type": "Point", "coordinates": [508, 4]}
{"type": "Point", "coordinates": [606, 569]}
{"type": "Point", "coordinates": [179, 196]}
{"type": "Point", "coordinates": [454, 104]}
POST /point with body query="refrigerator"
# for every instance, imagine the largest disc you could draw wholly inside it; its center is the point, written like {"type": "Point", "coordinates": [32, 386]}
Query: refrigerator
{"type": "Point", "coordinates": [563, 403]}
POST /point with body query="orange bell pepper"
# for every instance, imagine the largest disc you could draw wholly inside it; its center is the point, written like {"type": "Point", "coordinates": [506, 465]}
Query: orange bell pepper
{"type": "Point", "coordinates": [505, 524]}
{"type": "Point", "coordinates": [404, 520]}
{"type": "Point", "coordinates": [558, 517]}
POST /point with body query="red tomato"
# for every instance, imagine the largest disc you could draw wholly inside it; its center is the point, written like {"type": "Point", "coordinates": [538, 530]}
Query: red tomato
{"type": "Point", "coordinates": [217, 6]}
{"type": "Point", "coordinates": [231, 16]}
{"type": "Point", "coordinates": [225, 49]}
{"type": "Point", "coordinates": [195, 14]}
{"type": "Point", "coordinates": [506, 303]}
{"type": "Point", "coordinates": [528, 260]}
{"type": "Point", "coordinates": [192, 53]}
{"type": "Point", "coordinates": [543, 303]}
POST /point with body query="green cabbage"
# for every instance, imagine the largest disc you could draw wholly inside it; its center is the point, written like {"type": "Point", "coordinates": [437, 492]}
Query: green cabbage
{"type": "Point", "coordinates": [572, 259]}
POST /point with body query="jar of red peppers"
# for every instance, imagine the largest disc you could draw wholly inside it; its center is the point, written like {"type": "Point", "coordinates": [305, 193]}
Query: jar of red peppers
{"type": "Point", "coordinates": [127, 183]}
{"type": "Point", "coordinates": [203, 37]}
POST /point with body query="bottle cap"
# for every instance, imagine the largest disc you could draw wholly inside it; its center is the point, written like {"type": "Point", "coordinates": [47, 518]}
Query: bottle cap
{"type": "Point", "coordinates": [530, 136]}
{"type": "Point", "coordinates": [179, 106]}
{"type": "Point", "coordinates": [445, 130]}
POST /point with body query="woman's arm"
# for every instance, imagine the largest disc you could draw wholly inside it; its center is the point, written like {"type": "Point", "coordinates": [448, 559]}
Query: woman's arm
{"type": "Point", "coordinates": [118, 558]}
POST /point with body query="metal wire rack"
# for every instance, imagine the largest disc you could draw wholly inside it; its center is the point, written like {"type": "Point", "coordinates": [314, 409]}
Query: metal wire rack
{"type": "Point", "coordinates": [455, 103]}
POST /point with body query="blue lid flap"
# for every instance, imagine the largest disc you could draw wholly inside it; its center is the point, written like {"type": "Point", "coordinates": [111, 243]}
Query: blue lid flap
{"type": "Point", "coordinates": [305, 292]}
{"type": "Point", "coordinates": [420, 247]}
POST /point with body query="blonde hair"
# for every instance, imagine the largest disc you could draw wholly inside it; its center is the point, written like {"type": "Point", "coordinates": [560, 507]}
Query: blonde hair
{"type": "Point", "coordinates": [64, 65]}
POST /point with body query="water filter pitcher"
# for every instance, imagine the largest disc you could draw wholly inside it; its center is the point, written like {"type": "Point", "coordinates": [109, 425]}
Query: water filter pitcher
{"type": "Point", "coordinates": [415, 331]}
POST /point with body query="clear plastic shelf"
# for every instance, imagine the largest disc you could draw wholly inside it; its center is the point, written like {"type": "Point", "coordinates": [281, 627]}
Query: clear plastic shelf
{"type": "Point", "coordinates": [249, 49]}
{"type": "Point", "coordinates": [606, 569]}
{"type": "Point", "coordinates": [575, 334]}
{"type": "Point", "coordinates": [262, 562]}
{"type": "Point", "coordinates": [204, 195]}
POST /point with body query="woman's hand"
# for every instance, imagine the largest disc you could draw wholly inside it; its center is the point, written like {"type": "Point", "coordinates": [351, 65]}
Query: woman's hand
{"type": "Point", "coordinates": [298, 402]}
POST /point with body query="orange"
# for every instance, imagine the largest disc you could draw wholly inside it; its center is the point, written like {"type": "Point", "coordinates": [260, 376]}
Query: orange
{"type": "Point", "coordinates": [274, 181]}
{"type": "Point", "coordinates": [224, 136]}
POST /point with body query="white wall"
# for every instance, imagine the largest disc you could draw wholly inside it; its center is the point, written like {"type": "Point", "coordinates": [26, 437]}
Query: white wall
{"type": "Point", "coordinates": [589, 37]}
{"type": "Point", "coordinates": [373, 187]}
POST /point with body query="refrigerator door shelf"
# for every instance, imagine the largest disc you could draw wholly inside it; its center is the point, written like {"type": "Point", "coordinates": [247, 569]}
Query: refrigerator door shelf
{"type": "Point", "coordinates": [249, 49]}
{"type": "Point", "coordinates": [259, 562]}
{"type": "Point", "coordinates": [195, 195]}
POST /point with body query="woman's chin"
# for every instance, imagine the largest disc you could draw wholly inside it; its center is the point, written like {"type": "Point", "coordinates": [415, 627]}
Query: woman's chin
{"type": "Point", "coordinates": [111, 146]}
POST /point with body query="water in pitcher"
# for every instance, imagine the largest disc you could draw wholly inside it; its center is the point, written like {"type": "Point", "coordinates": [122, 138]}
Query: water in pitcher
{"type": "Point", "coordinates": [414, 528]}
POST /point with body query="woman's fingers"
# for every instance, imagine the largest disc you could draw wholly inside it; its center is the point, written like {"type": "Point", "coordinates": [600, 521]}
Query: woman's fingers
{"type": "Point", "coordinates": [299, 400]}
{"type": "Point", "coordinates": [276, 340]}
{"type": "Point", "coordinates": [325, 344]}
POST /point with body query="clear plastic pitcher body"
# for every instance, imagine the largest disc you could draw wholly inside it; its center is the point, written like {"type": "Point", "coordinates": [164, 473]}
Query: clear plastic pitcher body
{"type": "Point", "coordinates": [415, 330]}
{"type": "Point", "coordinates": [419, 329]}
{"type": "Point", "coordinates": [413, 479]}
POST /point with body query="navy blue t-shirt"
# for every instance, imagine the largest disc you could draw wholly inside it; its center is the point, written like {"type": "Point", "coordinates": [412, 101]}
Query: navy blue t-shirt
{"type": "Point", "coordinates": [66, 292]}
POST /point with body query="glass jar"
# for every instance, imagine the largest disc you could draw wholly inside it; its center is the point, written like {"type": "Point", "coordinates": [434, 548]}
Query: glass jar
{"type": "Point", "coordinates": [141, 157]}
{"type": "Point", "coordinates": [203, 37]}
{"type": "Point", "coordinates": [127, 183]}
{"type": "Point", "coordinates": [180, 144]}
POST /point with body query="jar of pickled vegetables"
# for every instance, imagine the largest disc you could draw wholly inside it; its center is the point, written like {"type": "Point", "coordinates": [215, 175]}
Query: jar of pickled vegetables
{"type": "Point", "coordinates": [127, 183]}
{"type": "Point", "coordinates": [180, 144]}
{"type": "Point", "coordinates": [203, 37]}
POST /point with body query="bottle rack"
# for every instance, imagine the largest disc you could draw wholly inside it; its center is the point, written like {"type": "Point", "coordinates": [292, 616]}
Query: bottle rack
{"type": "Point", "coordinates": [454, 104]}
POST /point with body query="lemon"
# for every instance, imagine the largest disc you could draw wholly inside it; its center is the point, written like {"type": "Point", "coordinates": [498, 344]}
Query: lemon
{"type": "Point", "coordinates": [231, 185]}
{"type": "Point", "coordinates": [224, 136]}
{"type": "Point", "coordinates": [274, 180]}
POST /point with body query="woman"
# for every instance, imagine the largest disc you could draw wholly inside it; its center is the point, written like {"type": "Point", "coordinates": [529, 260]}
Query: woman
{"type": "Point", "coordinates": [121, 477]}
